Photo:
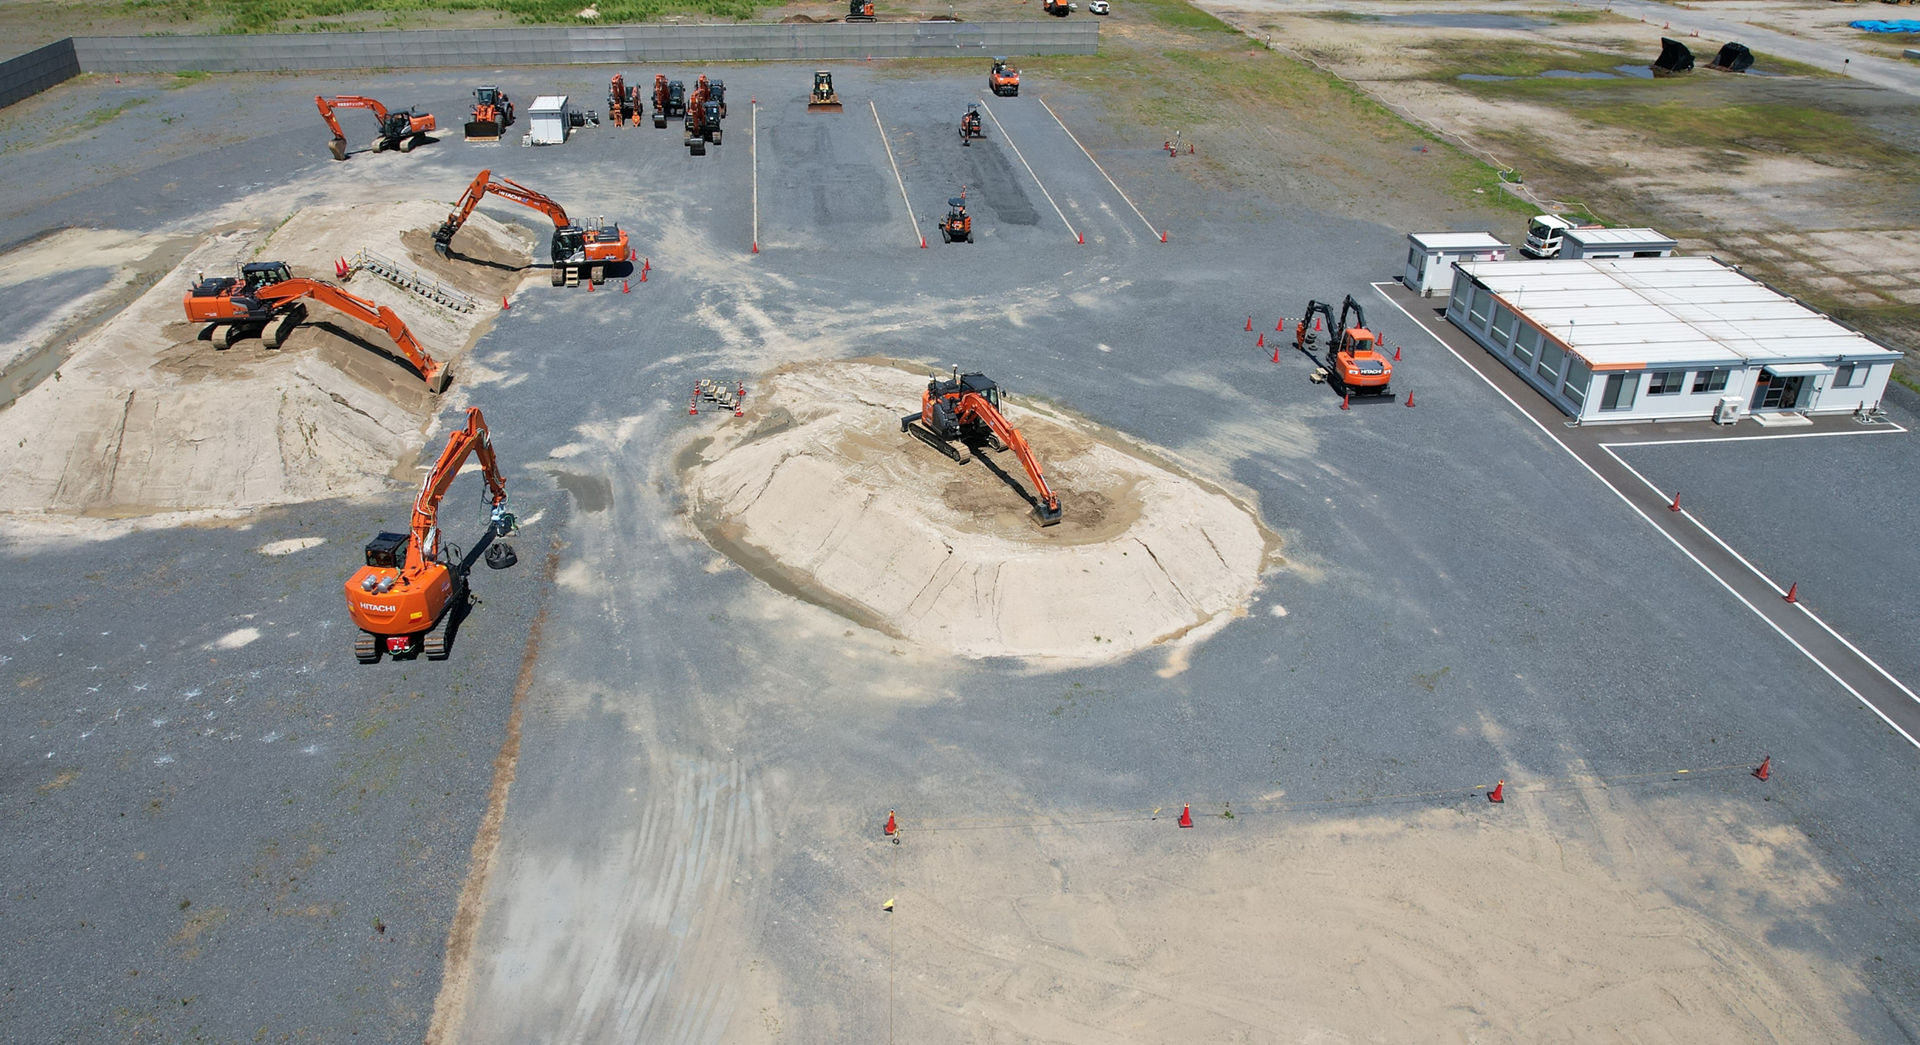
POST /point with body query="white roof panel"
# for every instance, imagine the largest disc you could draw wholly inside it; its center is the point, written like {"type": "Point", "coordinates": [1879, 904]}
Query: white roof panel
{"type": "Point", "coordinates": [1620, 312]}
{"type": "Point", "coordinates": [1618, 237]}
{"type": "Point", "coordinates": [1457, 241]}
{"type": "Point", "coordinates": [548, 103]}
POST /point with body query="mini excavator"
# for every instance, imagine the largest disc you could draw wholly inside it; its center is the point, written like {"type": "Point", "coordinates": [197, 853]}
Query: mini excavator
{"type": "Point", "coordinates": [492, 114]}
{"type": "Point", "coordinates": [859, 10]}
{"type": "Point", "coordinates": [400, 130]}
{"type": "Point", "coordinates": [966, 410]}
{"type": "Point", "coordinates": [623, 102]}
{"type": "Point", "coordinates": [970, 124]}
{"type": "Point", "coordinates": [575, 248]}
{"type": "Point", "coordinates": [957, 226]}
{"type": "Point", "coordinates": [1354, 364]}
{"type": "Point", "coordinates": [406, 599]}
{"type": "Point", "coordinates": [268, 300]}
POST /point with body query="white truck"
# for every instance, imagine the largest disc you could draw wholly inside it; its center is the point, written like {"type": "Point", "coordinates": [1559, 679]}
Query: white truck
{"type": "Point", "coordinates": [1545, 233]}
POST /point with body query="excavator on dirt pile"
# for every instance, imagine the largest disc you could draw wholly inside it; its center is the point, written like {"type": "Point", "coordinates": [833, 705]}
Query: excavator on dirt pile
{"type": "Point", "coordinates": [966, 411]}
{"type": "Point", "coordinates": [1004, 79]}
{"type": "Point", "coordinates": [409, 597]}
{"type": "Point", "coordinates": [623, 102]}
{"type": "Point", "coordinates": [957, 226]}
{"type": "Point", "coordinates": [575, 249]}
{"type": "Point", "coordinates": [402, 130]}
{"type": "Point", "coordinates": [492, 114]}
{"type": "Point", "coordinates": [1354, 364]}
{"type": "Point", "coordinates": [269, 300]}
{"type": "Point", "coordinates": [703, 118]}
{"type": "Point", "coordinates": [859, 10]}
{"type": "Point", "coordinates": [823, 98]}
{"type": "Point", "coordinates": [970, 124]}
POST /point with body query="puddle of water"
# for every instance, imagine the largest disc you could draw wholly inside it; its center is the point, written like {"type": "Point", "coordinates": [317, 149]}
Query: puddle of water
{"type": "Point", "coordinates": [1640, 72]}
{"type": "Point", "coordinates": [1569, 74]}
{"type": "Point", "coordinates": [1466, 20]}
{"type": "Point", "coordinates": [1485, 77]}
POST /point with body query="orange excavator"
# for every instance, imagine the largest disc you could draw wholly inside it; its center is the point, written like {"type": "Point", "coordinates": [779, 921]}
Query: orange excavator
{"type": "Point", "coordinates": [268, 300]}
{"type": "Point", "coordinates": [966, 410]}
{"type": "Point", "coordinates": [957, 226]}
{"type": "Point", "coordinates": [1354, 364]}
{"type": "Point", "coordinates": [406, 599]}
{"type": "Point", "coordinates": [400, 130]}
{"type": "Point", "coordinates": [623, 102]}
{"type": "Point", "coordinates": [575, 248]}
{"type": "Point", "coordinates": [659, 101]}
{"type": "Point", "coordinates": [703, 117]}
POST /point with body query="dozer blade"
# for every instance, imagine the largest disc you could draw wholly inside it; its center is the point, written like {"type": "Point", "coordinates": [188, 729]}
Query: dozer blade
{"type": "Point", "coordinates": [832, 106]}
{"type": "Point", "coordinates": [912, 426]}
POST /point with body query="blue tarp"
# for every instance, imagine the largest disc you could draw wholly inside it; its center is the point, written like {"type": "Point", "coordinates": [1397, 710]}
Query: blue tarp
{"type": "Point", "coordinates": [1900, 25]}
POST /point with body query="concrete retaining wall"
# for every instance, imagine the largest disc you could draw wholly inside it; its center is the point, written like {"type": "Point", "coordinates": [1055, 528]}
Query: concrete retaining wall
{"type": "Point", "coordinates": [37, 70]}
{"type": "Point", "coordinates": [446, 48]}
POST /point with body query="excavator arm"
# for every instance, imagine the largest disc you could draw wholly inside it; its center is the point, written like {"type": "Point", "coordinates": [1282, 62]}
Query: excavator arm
{"type": "Point", "coordinates": [974, 407]}
{"type": "Point", "coordinates": [1300, 328]}
{"type": "Point", "coordinates": [347, 101]}
{"type": "Point", "coordinates": [484, 183]}
{"type": "Point", "coordinates": [1359, 316]}
{"type": "Point", "coordinates": [359, 308]}
{"type": "Point", "coordinates": [474, 438]}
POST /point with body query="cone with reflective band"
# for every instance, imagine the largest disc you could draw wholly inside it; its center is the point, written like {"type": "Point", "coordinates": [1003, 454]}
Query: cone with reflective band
{"type": "Point", "coordinates": [892, 824]}
{"type": "Point", "coordinates": [1499, 792]}
{"type": "Point", "coordinates": [1766, 768]}
{"type": "Point", "coordinates": [1186, 816]}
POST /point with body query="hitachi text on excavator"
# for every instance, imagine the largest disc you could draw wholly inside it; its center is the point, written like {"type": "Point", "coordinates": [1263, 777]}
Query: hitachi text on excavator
{"type": "Point", "coordinates": [408, 597]}
{"type": "Point", "coordinates": [576, 249]}
{"type": "Point", "coordinates": [965, 410]}
{"type": "Point", "coordinates": [268, 299]}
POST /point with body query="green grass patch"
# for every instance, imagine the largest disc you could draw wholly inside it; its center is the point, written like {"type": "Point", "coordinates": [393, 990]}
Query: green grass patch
{"type": "Point", "coordinates": [188, 78]}
{"type": "Point", "coordinates": [107, 114]}
{"type": "Point", "coordinates": [1820, 135]}
{"type": "Point", "coordinates": [260, 16]}
{"type": "Point", "coordinates": [1178, 14]}
{"type": "Point", "coordinates": [1517, 59]}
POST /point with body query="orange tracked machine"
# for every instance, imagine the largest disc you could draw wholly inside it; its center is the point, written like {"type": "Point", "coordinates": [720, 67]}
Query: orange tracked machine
{"type": "Point", "coordinates": [401, 130]}
{"type": "Point", "coordinates": [406, 600]}
{"type": "Point", "coordinates": [576, 250]}
{"type": "Point", "coordinates": [269, 300]}
{"type": "Point", "coordinates": [1354, 363]}
{"type": "Point", "coordinates": [962, 414]}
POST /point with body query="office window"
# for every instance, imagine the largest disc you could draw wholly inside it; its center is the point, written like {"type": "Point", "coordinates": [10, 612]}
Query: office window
{"type": "Point", "coordinates": [1457, 300]}
{"type": "Point", "coordinates": [1478, 310]}
{"type": "Point", "coordinates": [1850, 375]}
{"type": "Point", "coordinates": [1710, 381]}
{"type": "Point", "coordinates": [1665, 382]}
{"type": "Point", "coordinates": [1551, 356]}
{"type": "Point", "coordinates": [1575, 389]}
{"type": "Point", "coordinates": [1502, 325]}
{"type": "Point", "coordinates": [1618, 394]}
{"type": "Point", "coordinates": [1525, 344]}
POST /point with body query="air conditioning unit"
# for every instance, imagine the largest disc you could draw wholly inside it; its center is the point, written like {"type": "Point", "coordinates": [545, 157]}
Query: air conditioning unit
{"type": "Point", "coordinates": [1728, 411]}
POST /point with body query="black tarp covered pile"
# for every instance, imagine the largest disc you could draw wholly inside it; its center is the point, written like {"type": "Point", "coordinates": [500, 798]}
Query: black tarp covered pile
{"type": "Point", "coordinates": [1733, 58]}
{"type": "Point", "coordinates": [1674, 58]}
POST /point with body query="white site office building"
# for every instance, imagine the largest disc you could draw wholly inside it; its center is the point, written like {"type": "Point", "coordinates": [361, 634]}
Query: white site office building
{"type": "Point", "coordinates": [1664, 339]}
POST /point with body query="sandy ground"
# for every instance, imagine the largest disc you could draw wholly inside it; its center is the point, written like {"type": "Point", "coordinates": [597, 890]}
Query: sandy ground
{"type": "Point", "coordinates": [145, 415]}
{"type": "Point", "coordinates": [824, 488]}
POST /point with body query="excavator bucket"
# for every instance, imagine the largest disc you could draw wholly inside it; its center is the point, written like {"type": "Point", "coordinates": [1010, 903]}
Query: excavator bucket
{"type": "Point", "coordinates": [1045, 515]}
{"type": "Point", "coordinates": [338, 147]}
{"type": "Point", "coordinates": [1675, 58]}
{"type": "Point", "coordinates": [483, 131]}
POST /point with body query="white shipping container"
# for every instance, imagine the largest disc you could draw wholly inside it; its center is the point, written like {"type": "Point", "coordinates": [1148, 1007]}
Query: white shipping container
{"type": "Point", "coordinates": [547, 120]}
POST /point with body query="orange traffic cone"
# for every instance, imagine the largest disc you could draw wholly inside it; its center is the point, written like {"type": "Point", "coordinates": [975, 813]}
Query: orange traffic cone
{"type": "Point", "coordinates": [1675, 506]}
{"type": "Point", "coordinates": [1276, 353]}
{"type": "Point", "coordinates": [504, 303]}
{"type": "Point", "coordinates": [1499, 792]}
{"type": "Point", "coordinates": [756, 246]}
{"type": "Point", "coordinates": [589, 286]}
{"type": "Point", "coordinates": [1316, 324]}
{"type": "Point", "coordinates": [1396, 353]}
{"type": "Point", "coordinates": [1409, 398]}
{"type": "Point", "coordinates": [1163, 235]}
{"type": "Point", "coordinates": [1793, 593]}
{"type": "Point", "coordinates": [1262, 343]}
{"type": "Point", "coordinates": [1249, 324]}
{"type": "Point", "coordinates": [1766, 768]}
{"type": "Point", "coordinates": [1186, 816]}
{"type": "Point", "coordinates": [643, 275]}
{"type": "Point", "coordinates": [1346, 400]}
{"type": "Point", "coordinates": [892, 824]}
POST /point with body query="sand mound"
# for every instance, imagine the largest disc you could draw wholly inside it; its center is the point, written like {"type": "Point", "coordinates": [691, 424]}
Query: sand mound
{"type": "Point", "coordinates": [820, 493]}
{"type": "Point", "coordinates": [144, 416]}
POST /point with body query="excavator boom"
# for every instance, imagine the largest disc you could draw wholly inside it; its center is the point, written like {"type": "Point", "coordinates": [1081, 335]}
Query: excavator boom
{"type": "Point", "coordinates": [484, 183]}
{"type": "Point", "coordinates": [289, 291]}
{"type": "Point", "coordinates": [973, 406]}
{"type": "Point", "coordinates": [965, 410]}
{"type": "Point", "coordinates": [474, 438]}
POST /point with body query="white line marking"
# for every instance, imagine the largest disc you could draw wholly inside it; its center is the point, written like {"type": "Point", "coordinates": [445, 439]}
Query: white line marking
{"type": "Point", "coordinates": [1157, 234]}
{"type": "Point", "coordinates": [753, 143]}
{"type": "Point", "coordinates": [1881, 428]}
{"type": "Point", "coordinates": [898, 180]}
{"type": "Point", "coordinates": [1008, 138]}
{"type": "Point", "coordinates": [1544, 430]}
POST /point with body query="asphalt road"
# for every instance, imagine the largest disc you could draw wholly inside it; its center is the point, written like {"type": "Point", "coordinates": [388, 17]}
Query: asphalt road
{"type": "Point", "coordinates": [703, 762]}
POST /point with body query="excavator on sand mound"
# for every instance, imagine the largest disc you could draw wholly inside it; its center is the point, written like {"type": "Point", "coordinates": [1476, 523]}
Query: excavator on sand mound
{"type": "Point", "coordinates": [409, 596]}
{"type": "Point", "coordinates": [576, 249]}
{"type": "Point", "coordinates": [1354, 364]}
{"type": "Point", "coordinates": [400, 130]}
{"type": "Point", "coordinates": [966, 411]}
{"type": "Point", "coordinates": [492, 114]}
{"type": "Point", "coordinates": [269, 300]}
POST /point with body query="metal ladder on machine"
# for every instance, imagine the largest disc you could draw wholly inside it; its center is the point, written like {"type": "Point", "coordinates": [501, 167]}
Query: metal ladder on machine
{"type": "Point", "coordinates": [411, 279]}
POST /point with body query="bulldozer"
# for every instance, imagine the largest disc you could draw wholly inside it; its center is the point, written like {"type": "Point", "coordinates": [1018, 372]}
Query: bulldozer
{"type": "Point", "coordinates": [970, 124]}
{"type": "Point", "coordinates": [576, 250]}
{"type": "Point", "coordinates": [1004, 80]}
{"type": "Point", "coordinates": [400, 130]}
{"type": "Point", "coordinates": [268, 300]}
{"type": "Point", "coordinates": [412, 591]}
{"type": "Point", "coordinates": [962, 415]}
{"type": "Point", "coordinates": [492, 114]}
{"type": "Point", "coordinates": [1354, 365]}
{"type": "Point", "coordinates": [957, 226]}
{"type": "Point", "coordinates": [859, 10]}
{"type": "Point", "coordinates": [823, 98]}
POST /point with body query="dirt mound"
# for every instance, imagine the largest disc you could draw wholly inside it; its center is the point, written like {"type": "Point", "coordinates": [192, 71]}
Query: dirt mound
{"type": "Point", "coordinates": [147, 415]}
{"type": "Point", "coordinates": [821, 494]}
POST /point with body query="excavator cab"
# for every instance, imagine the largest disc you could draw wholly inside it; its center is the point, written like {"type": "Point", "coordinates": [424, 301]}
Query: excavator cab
{"type": "Point", "coordinates": [957, 226]}
{"type": "Point", "coordinates": [717, 92]}
{"type": "Point", "coordinates": [259, 274]}
{"type": "Point", "coordinates": [388, 551]}
{"type": "Point", "coordinates": [676, 99]}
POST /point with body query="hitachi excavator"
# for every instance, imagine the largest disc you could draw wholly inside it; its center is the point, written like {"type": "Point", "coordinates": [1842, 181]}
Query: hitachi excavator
{"type": "Point", "coordinates": [660, 92]}
{"type": "Point", "coordinates": [620, 101]}
{"type": "Point", "coordinates": [576, 249]}
{"type": "Point", "coordinates": [1354, 364]}
{"type": "Point", "coordinates": [966, 410]}
{"type": "Point", "coordinates": [400, 130]}
{"type": "Point", "coordinates": [268, 300]}
{"type": "Point", "coordinates": [407, 599]}
{"type": "Point", "coordinates": [703, 118]}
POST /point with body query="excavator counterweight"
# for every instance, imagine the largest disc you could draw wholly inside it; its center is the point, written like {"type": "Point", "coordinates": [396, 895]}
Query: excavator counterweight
{"type": "Point", "coordinates": [963, 413]}
{"type": "Point", "coordinates": [407, 598]}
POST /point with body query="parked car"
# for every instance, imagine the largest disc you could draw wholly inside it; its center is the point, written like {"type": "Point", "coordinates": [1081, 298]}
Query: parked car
{"type": "Point", "coordinates": [1098, 7]}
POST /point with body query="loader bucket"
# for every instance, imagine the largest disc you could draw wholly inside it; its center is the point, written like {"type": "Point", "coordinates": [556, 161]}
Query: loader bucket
{"type": "Point", "coordinates": [833, 106]}
{"type": "Point", "coordinates": [1733, 58]}
{"type": "Point", "coordinates": [483, 131]}
{"type": "Point", "coordinates": [439, 378]}
{"type": "Point", "coordinates": [1674, 58]}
